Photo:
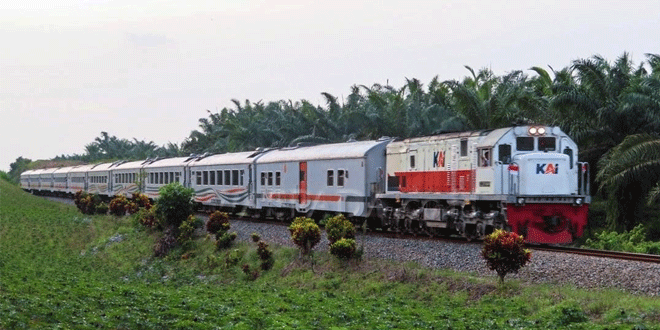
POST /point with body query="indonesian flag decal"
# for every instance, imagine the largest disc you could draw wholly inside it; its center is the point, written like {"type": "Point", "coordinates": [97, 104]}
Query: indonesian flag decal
{"type": "Point", "coordinates": [513, 169]}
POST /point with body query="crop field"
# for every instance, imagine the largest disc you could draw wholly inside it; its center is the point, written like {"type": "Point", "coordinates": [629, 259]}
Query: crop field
{"type": "Point", "coordinates": [61, 269]}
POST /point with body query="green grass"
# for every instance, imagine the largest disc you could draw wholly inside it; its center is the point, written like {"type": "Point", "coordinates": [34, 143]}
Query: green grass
{"type": "Point", "coordinates": [61, 269]}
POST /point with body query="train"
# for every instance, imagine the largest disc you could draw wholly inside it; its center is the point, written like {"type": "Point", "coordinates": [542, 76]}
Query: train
{"type": "Point", "coordinates": [526, 179]}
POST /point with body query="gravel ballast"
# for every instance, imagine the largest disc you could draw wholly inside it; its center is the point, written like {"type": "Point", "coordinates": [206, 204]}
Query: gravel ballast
{"type": "Point", "coordinates": [544, 267]}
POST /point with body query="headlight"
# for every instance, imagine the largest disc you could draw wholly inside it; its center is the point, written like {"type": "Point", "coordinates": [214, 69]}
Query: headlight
{"type": "Point", "coordinates": [578, 201]}
{"type": "Point", "coordinates": [532, 131]}
{"type": "Point", "coordinates": [521, 201]}
{"type": "Point", "coordinates": [536, 130]}
{"type": "Point", "coordinates": [541, 130]}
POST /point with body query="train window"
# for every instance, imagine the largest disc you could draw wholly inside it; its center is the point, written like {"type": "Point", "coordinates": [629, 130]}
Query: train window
{"type": "Point", "coordinates": [205, 176]}
{"type": "Point", "coordinates": [242, 175]}
{"type": "Point", "coordinates": [464, 147]}
{"type": "Point", "coordinates": [151, 178]}
{"type": "Point", "coordinates": [212, 178]}
{"type": "Point", "coordinates": [234, 174]}
{"type": "Point", "coordinates": [219, 177]}
{"type": "Point", "coordinates": [171, 177]}
{"type": "Point", "coordinates": [340, 178]}
{"type": "Point", "coordinates": [524, 143]}
{"type": "Point", "coordinates": [177, 176]}
{"type": "Point", "coordinates": [263, 178]}
{"type": "Point", "coordinates": [331, 178]}
{"type": "Point", "coordinates": [547, 144]}
{"type": "Point", "coordinates": [227, 177]}
{"type": "Point", "coordinates": [568, 151]}
{"type": "Point", "coordinates": [278, 178]}
{"type": "Point", "coordinates": [166, 179]}
{"type": "Point", "coordinates": [484, 158]}
{"type": "Point", "coordinates": [412, 161]}
{"type": "Point", "coordinates": [270, 178]}
{"type": "Point", "coordinates": [504, 151]}
{"type": "Point", "coordinates": [199, 178]}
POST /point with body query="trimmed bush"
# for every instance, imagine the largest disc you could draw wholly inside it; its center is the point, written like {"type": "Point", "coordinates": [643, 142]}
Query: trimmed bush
{"type": "Point", "coordinates": [344, 248]}
{"type": "Point", "coordinates": [305, 233]}
{"type": "Point", "coordinates": [132, 207]}
{"type": "Point", "coordinates": [218, 223]}
{"type": "Point", "coordinates": [141, 200]}
{"type": "Point", "coordinates": [505, 252]}
{"type": "Point", "coordinates": [118, 205]}
{"type": "Point", "coordinates": [175, 204]}
{"type": "Point", "coordinates": [255, 237]}
{"type": "Point", "coordinates": [147, 217]}
{"type": "Point", "coordinates": [339, 227]}
{"type": "Point", "coordinates": [86, 203]}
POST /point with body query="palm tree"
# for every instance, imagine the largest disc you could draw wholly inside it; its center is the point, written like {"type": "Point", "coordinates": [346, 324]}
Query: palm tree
{"type": "Point", "coordinates": [630, 173]}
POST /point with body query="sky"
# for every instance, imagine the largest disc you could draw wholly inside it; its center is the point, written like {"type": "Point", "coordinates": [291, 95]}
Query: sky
{"type": "Point", "coordinates": [151, 69]}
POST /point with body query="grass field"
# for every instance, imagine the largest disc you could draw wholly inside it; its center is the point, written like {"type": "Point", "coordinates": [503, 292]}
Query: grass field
{"type": "Point", "coordinates": [61, 269]}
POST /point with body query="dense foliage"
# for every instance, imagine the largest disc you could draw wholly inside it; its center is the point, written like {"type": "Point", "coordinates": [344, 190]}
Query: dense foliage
{"type": "Point", "coordinates": [505, 252]}
{"type": "Point", "coordinates": [631, 241]}
{"type": "Point", "coordinates": [339, 227]}
{"type": "Point", "coordinates": [174, 204]}
{"type": "Point", "coordinates": [305, 233]}
{"type": "Point", "coordinates": [344, 248]}
{"type": "Point", "coordinates": [597, 102]}
{"type": "Point", "coordinates": [218, 223]}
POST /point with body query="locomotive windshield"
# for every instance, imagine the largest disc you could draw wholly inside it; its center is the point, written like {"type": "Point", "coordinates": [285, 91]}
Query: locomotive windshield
{"type": "Point", "coordinates": [525, 143]}
{"type": "Point", "coordinates": [547, 144]}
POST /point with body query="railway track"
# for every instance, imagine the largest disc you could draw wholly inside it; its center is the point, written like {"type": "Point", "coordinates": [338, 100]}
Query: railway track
{"type": "Point", "coordinates": [650, 258]}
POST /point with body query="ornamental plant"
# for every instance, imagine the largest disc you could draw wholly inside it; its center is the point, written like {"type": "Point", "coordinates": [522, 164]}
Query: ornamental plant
{"type": "Point", "coordinates": [339, 227]}
{"type": "Point", "coordinates": [344, 248]}
{"type": "Point", "coordinates": [118, 205]}
{"type": "Point", "coordinates": [265, 255]}
{"type": "Point", "coordinates": [141, 200]}
{"type": "Point", "coordinates": [175, 204]}
{"type": "Point", "coordinates": [505, 253]}
{"type": "Point", "coordinates": [218, 223]}
{"type": "Point", "coordinates": [305, 233]}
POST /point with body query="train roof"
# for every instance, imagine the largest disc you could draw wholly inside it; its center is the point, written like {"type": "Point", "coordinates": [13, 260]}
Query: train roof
{"type": "Point", "coordinates": [129, 165]}
{"type": "Point", "coordinates": [493, 137]}
{"type": "Point", "coordinates": [347, 150]}
{"type": "Point", "coordinates": [167, 162]}
{"type": "Point", "coordinates": [101, 167]}
{"type": "Point", "coordinates": [224, 159]}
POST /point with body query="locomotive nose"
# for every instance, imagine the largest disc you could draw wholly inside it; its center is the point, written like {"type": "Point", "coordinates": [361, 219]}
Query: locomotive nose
{"type": "Point", "coordinates": [554, 223]}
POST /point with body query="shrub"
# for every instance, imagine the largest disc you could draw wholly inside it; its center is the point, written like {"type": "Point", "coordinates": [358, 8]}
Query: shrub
{"type": "Point", "coordinates": [141, 200]}
{"type": "Point", "coordinates": [305, 233]}
{"type": "Point", "coordinates": [630, 241]}
{"type": "Point", "coordinates": [251, 274]}
{"type": "Point", "coordinates": [165, 243]}
{"type": "Point", "coordinates": [233, 257]}
{"type": "Point", "coordinates": [102, 208]}
{"type": "Point", "coordinates": [339, 227]}
{"type": "Point", "coordinates": [187, 230]}
{"type": "Point", "coordinates": [118, 205]}
{"type": "Point", "coordinates": [147, 217]}
{"type": "Point", "coordinates": [132, 207]}
{"type": "Point", "coordinates": [225, 241]}
{"type": "Point", "coordinates": [175, 204]}
{"type": "Point", "coordinates": [255, 237]}
{"type": "Point", "coordinates": [344, 248]}
{"type": "Point", "coordinates": [505, 253]}
{"type": "Point", "coordinates": [86, 203]}
{"type": "Point", "coordinates": [218, 223]}
{"type": "Point", "coordinates": [265, 255]}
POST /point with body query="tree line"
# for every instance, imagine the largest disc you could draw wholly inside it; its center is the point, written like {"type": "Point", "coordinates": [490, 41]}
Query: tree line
{"type": "Point", "coordinates": [611, 109]}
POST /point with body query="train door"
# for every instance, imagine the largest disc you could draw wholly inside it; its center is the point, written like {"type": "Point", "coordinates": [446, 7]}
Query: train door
{"type": "Point", "coordinates": [302, 187]}
{"type": "Point", "coordinates": [485, 171]}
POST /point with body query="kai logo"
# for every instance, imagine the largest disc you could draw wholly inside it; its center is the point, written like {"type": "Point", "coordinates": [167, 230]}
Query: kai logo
{"type": "Point", "coordinates": [439, 159]}
{"type": "Point", "coordinates": [547, 168]}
